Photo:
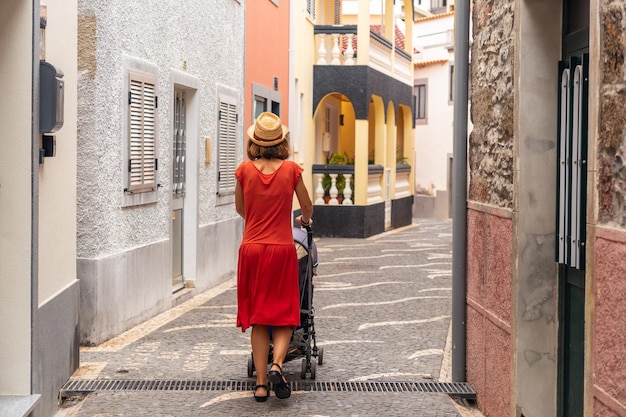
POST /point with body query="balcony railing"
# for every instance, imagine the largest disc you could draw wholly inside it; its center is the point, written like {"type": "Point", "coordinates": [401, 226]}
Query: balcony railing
{"type": "Point", "coordinates": [336, 45]}
{"type": "Point", "coordinates": [344, 195]}
{"type": "Point", "coordinates": [403, 171]}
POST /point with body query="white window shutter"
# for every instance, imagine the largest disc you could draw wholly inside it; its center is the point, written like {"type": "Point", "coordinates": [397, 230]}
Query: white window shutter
{"type": "Point", "coordinates": [142, 133]}
{"type": "Point", "coordinates": [227, 148]}
{"type": "Point", "coordinates": [310, 8]}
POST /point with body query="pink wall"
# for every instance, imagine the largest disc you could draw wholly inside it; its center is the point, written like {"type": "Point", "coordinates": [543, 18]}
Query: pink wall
{"type": "Point", "coordinates": [609, 324]}
{"type": "Point", "coordinates": [489, 340]}
{"type": "Point", "coordinates": [267, 51]}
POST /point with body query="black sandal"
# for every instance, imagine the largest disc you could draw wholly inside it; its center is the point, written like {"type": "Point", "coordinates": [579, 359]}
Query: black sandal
{"type": "Point", "coordinates": [261, 398]}
{"type": "Point", "coordinates": [281, 388]}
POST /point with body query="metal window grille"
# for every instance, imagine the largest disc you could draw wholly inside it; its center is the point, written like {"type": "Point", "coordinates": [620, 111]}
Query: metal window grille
{"type": "Point", "coordinates": [572, 161]}
{"type": "Point", "coordinates": [142, 102]}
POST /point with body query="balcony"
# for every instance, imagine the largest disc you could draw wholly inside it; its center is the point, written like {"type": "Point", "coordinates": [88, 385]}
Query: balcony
{"type": "Point", "coordinates": [362, 101]}
{"type": "Point", "coordinates": [338, 216]}
{"type": "Point", "coordinates": [337, 45]}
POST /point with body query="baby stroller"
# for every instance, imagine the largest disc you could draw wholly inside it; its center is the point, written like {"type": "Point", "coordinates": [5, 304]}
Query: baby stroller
{"type": "Point", "coordinates": [303, 344]}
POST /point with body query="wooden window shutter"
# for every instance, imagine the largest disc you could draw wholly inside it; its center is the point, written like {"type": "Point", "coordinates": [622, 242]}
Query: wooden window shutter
{"type": "Point", "coordinates": [227, 148]}
{"type": "Point", "coordinates": [142, 103]}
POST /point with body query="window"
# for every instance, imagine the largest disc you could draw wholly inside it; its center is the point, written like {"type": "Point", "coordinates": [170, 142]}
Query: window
{"type": "Point", "coordinates": [227, 145]}
{"type": "Point", "coordinates": [265, 99]}
{"type": "Point", "coordinates": [310, 9]}
{"type": "Point", "coordinates": [276, 108]}
{"type": "Point", "coordinates": [260, 105]}
{"type": "Point", "coordinates": [179, 144]}
{"type": "Point", "coordinates": [142, 104]}
{"type": "Point", "coordinates": [437, 4]}
{"type": "Point", "coordinates": [420, 102]}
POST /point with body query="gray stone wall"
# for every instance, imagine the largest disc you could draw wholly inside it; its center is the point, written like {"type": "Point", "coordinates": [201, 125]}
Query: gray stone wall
{"type": "Point", "coordinates": [492, 103]}
{"type": "Point", "coordinates": [611, 140]}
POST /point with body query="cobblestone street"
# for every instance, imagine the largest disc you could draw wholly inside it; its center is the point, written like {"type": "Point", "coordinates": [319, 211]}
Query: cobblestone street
{"type": "Point", "coordinates": [383, 312]}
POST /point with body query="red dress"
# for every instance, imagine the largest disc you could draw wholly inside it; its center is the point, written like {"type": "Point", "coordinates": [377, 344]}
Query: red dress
{"type": "Point", "coordinates": [267, 272]}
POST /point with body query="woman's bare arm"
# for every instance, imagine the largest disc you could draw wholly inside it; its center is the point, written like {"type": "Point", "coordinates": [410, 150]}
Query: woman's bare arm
{"type": "Point", "coordinates": [306, 206]}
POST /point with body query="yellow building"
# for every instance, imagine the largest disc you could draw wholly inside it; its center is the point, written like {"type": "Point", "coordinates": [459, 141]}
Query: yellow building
{"type": "Point", "coordinates": [351, 118]}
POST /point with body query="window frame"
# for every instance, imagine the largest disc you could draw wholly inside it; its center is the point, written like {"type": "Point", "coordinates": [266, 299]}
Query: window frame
{"type": "Point", "coordinates": [228, 132]}
{"type": "Point", "coordinates": [272, 98]}
{"type": "Point", "coordinates": [421, 83]}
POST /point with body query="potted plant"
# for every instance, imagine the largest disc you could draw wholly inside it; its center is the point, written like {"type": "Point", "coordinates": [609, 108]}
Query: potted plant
{"type": "Point", "coordinates": [337, 158]}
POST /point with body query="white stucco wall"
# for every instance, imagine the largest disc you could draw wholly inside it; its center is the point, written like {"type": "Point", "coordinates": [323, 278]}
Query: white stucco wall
{"type": "Point", "coordinates": [205, 39]}
{"type": "Point", "coordinates": [125, 251]}
{"type": "Point", "coordinates": [15, 195]}
{"type": "Point", "coordinates": [433, 138]}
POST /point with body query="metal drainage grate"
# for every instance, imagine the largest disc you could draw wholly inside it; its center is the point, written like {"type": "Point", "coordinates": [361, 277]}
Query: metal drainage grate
{"type": "Point", "coordinates": [84, 387]}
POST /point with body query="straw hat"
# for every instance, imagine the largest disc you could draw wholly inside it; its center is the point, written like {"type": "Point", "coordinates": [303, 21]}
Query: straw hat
{"type": "Point", "coordinates": [267, 130]}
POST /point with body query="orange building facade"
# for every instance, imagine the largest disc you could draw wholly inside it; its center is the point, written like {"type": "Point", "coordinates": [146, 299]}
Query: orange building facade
{"type": "Point", "coordinates": [267, 59]}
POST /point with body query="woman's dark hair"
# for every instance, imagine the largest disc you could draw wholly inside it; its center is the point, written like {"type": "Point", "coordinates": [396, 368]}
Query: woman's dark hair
{"type": "Point", "coordinates": [280, 151]}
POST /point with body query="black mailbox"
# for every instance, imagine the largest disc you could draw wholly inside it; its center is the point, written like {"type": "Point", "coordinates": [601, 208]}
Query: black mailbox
{"type": "Point", "coordinates": [50, 98]}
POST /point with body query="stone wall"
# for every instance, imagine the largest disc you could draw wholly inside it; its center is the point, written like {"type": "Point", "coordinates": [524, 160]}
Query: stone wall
{"type": "Point", "coordinates": [492, 101]}
{"type": "Point", "coordinates": [611, 142]}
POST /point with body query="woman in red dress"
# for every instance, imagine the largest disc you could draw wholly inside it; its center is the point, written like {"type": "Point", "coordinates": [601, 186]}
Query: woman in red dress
{"type": "Point", "coordinates": [267, 273]}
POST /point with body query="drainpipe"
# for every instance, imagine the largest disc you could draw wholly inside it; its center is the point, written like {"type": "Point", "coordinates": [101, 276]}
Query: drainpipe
{"type": "Point", "coordinates": [459, 202]}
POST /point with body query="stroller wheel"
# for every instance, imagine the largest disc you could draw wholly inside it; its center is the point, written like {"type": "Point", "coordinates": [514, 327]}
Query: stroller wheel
{"type": "Point", "coordinates": [303, 369]}
{"type": "Point", "coordinates": [313, 369]}
{"type": "Point", "coordinates": [250, 366]}
{"type": "Point", "coordinates": [320, 356]}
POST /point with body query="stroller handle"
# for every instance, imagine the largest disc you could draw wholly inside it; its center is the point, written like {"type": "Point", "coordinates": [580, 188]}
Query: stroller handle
{"type": "Point", "coordinates": [309, 236]}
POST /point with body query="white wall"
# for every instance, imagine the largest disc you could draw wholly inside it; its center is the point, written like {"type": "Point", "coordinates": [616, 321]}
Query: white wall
{"type": "Point", "coordinates": [16, 18]}
{"type": "Point", "coordinates": [57, 175]}
{"type": "Point", "coordinates": [197, 46]}
{"type": "Point", "coordinates": [433, 138]}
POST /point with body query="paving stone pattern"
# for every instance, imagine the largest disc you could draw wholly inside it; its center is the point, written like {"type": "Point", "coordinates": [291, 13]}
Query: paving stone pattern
{"type": "Point", "coordinates": [383, 308]}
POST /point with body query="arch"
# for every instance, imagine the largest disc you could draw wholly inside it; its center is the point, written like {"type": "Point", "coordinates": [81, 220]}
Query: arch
{"type": "Point", "coordinates": [405, 145]}
{"type": "Point", "coordinates": [334, 121]}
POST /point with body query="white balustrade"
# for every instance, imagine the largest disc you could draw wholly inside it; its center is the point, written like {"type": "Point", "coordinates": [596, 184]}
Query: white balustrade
{"type": "Point", "coordinates": [321, 51]}
{"type": "Point", "coordinates": [349, 52]}
{"type": "Point", "coordinates": [402, 184]}
{"type": "Point", "coordinates": [333, 42]}
{"type": "Point", "coordinates": [335, 51]}
{"type": "Point", "coordinates": [381, 55]}
{"type": "Point", "coordinates": [319, 189]}
{"type": "Point", "coordinates": [333, 190]}
{"type": "Point", "coordinates": [374, 189]}
{"type": "Point", "coordinates": [347, 191]}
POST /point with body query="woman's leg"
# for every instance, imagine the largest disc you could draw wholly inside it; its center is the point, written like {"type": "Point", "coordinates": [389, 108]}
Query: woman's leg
{"type": "Point", "coordinates": [281, 336]}
{"type": "Point", "coordinates": [260, 340]}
